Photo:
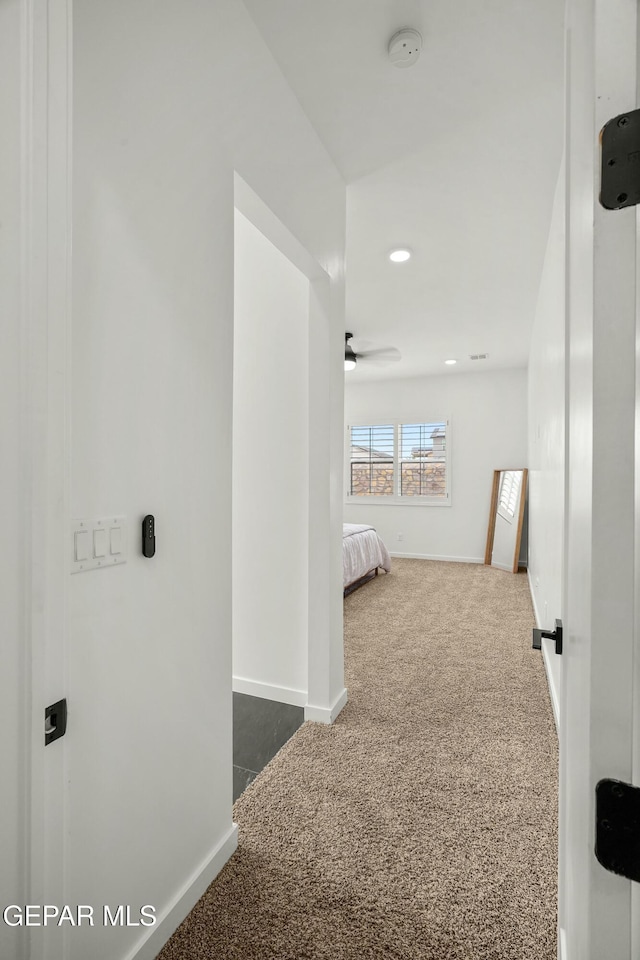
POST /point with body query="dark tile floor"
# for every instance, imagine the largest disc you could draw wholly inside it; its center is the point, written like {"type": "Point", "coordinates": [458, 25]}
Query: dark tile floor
{"type": "Point", "coordinates": [260, 729]}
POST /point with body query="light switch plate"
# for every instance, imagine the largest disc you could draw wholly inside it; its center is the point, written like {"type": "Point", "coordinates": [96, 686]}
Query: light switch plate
{"type": "Point", "coordinates": [102, 526]}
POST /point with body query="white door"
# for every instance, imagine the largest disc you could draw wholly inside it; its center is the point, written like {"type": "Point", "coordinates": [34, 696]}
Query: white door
{"type": "Point", "coordinates": [602, 532]}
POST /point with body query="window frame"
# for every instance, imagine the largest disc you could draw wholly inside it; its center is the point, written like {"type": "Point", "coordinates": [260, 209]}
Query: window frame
{"type": "Point", "coordinates": [397, 499]}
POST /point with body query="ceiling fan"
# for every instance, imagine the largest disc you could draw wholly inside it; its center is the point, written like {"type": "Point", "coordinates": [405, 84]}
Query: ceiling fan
{"type": "Point", "coordinates": [356, 350]}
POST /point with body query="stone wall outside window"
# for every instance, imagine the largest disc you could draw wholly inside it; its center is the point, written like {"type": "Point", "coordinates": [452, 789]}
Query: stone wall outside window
{"type": "Point", "coordinates": [418, 479]}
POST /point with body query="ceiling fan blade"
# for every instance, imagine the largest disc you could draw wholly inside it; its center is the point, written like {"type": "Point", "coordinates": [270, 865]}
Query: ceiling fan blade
{"type": "Point", "coordinates": [361, 346]}
{"type": "Point", "coordinates": [375, 362]}
{"type": "Point", "coordinates": [381, 355]}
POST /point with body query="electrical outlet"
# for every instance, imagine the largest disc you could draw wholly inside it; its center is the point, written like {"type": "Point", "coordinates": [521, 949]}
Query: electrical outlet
{"type": "Point", "coordinates": [400, 536]}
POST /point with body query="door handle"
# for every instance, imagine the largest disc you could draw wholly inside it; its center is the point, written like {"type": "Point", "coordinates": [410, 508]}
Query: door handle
{"type": "Point", "coordinates": [548, 635]}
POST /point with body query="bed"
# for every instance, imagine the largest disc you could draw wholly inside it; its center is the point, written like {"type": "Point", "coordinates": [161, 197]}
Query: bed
{"type": "Point", "coordinates": [363, 553]}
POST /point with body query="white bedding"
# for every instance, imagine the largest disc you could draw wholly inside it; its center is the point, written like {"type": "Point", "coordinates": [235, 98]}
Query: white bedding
{"type": "Point", "coordinates": [362, 551]}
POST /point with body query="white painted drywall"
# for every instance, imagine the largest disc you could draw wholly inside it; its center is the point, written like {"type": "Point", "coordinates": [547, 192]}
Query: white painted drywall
{"type": "Point", "coordinates": [270, 470]}
{"type": "Point", "coordinates": [488, 417]}
{"type": "Point", "coordinates": [326, 692]}
{"type": "Point", "coordinates": [546, 402]}
{"type": "Point", "coordinates": [149, 658]}
{"type": "Point", "coordinates": [167, 104]}
{"type": "Point", "coordinates": [12, 490]}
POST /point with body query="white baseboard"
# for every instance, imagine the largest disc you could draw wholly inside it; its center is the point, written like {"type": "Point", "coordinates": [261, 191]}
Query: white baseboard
{"type": "Point", "coordinates": [326, 714]}
{"type": "Point", "coordinates": [267, 691]}
{"type": "Point", "coordinates": [536, 612]}
{"type": "Point", "coordinates": [184, 901]}
{"type": "Point", "coordinates": [548, 651]}
{"type": "Point", "coordinates": [563, 953]}
{"type": "Point", "coordinates": [433, 556]}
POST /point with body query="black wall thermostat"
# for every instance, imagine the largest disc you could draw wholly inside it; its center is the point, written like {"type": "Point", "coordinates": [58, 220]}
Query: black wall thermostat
{"type": "Point", "coordinates": [148, 536]}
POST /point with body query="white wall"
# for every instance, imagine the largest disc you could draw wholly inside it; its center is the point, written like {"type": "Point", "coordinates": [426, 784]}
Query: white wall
{"type": "Point", "coordinates": [14, 529]}
{"type": "Point", "coordinates": [270, 470]}
{"type": "Point", "coordinates": [546, 402]}
{"type": "Point", "coordinates": [326, 694]}
{"type": "Point", "coordinates": [488, 417]}
{"type": "Point", "coordinates": [167, 105]}
{"type": "Point", "coordinates": [326, 360]}
{"type": "Point", "coordinates": [149, 642]}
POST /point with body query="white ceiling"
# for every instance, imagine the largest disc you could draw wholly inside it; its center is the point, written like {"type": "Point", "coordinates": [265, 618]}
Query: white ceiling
{"type": "Point", "coordinates": [456, 158]}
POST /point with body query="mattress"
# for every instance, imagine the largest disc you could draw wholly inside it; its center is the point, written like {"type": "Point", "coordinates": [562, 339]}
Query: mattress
{"type": "Point", "coordinates": [362, 552]}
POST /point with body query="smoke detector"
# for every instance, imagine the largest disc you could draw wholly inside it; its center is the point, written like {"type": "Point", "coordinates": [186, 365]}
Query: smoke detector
{"type": "Point", "coordinates": [405, 47]}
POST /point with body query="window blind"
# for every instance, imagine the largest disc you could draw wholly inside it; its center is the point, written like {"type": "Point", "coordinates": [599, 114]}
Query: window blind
{"type": "Point", "coordinates": [423, 460]}
{"type": "Point", "coordinates": [373, 461]}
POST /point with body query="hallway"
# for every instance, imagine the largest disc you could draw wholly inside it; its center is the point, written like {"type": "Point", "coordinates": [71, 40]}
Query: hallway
{"type": "Point", "coordinates": [423, 823]}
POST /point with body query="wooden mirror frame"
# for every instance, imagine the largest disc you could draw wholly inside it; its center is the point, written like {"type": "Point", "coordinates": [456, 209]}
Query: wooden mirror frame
{"type": "Point", "coordinates": [493, 510]}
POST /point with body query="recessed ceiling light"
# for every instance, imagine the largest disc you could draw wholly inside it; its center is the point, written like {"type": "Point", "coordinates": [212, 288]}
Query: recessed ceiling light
{"type": "Point", "coordinates": [451, 361]}
{"type": "Point", "coordinates": [399, 256]}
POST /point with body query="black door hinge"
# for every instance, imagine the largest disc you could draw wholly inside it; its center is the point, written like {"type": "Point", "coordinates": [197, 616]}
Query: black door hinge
{"type": "Point", "coordinates": [620, 161]}
{"type": "Point", "coordinates": [548, 635]}
{"type": "Point", "coordinates": [618, 828]}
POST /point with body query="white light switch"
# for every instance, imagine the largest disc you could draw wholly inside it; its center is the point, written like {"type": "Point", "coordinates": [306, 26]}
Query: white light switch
{"type": "Point", "coordinates": [116, 539]}
{"type": "Point", "coordinates": [99, 543]}
{"type": "Point", "coordinates": [82, 545]}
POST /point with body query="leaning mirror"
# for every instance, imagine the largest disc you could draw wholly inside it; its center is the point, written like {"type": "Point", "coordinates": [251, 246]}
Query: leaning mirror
{"type": "Point", "coordinates": [506, 517]}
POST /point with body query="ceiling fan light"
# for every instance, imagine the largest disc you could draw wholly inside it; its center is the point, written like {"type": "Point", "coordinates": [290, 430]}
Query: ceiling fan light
{"type": "Point", "coordinates": [349, 363]}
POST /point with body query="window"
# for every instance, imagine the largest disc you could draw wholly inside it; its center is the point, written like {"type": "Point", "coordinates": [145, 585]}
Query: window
{"type": "Point", "coordinates": [372, 461]}
{"type": "Point", "coordinates": [399, 462]}
{"type": "Point", "coordinates": [509, 493]}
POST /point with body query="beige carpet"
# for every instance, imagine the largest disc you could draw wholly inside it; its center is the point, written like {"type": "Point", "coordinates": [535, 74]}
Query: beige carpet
{"type": "Point", "coordinates": [423, 823]}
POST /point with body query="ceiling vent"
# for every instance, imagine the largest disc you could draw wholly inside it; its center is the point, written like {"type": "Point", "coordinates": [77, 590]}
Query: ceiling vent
{"type": "Point", "coordinates": [478, 356]}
